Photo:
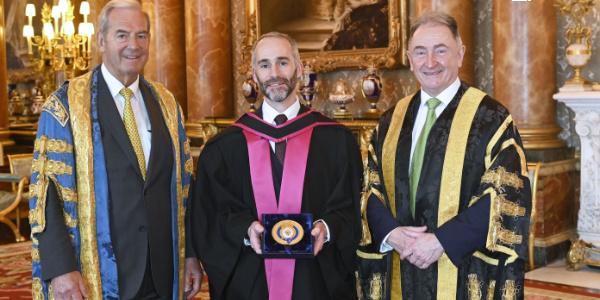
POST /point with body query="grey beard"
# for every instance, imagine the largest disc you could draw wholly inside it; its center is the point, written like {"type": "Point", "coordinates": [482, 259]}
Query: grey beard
{"type": "Point", "coordinates": [279, 95]}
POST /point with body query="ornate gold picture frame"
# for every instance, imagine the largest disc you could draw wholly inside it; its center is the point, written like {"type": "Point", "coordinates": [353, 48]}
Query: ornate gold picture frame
{"type": "Point", "coordinates": [360, 55]}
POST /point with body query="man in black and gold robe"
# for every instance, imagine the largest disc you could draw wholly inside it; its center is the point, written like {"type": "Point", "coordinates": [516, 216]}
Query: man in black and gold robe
{"type": "Point", "coordinates": [460, 231]}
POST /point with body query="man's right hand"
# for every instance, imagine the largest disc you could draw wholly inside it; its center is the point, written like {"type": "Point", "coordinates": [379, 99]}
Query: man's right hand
{"type": "Point", "coordinates": [69, 286]}
{"type": "Point", "coordinates": [254, 232]}
{"type": "Point", "coordinates": [402, 238]}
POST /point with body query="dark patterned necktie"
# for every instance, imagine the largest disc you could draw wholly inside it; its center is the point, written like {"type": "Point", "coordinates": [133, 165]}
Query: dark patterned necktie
{"type": "Point", "coordinates": [280, 147]}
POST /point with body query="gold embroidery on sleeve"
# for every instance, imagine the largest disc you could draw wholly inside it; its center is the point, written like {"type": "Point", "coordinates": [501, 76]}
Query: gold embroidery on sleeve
{"type": "Point", "coordinates": [55, 108]}
{"type": "Point", "coordinates": [504, 236]}
{"type": "Point", "coordinates": [46, 167]}
{"type": "Point", "coordinates": [186, 191]}
{"type": "Point", "coordinates": [45, 145]}
{"type": "Point", "coordinates": [510, 208]}
{"type": "Point", "coordinates": [500, 178]}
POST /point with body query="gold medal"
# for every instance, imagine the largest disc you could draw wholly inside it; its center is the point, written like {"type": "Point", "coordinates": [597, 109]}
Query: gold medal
{"type": "Point", "coordinates": [287, 232]}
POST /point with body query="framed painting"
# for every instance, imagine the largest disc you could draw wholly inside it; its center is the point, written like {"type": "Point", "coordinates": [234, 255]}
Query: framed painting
{"type": "Point", "coordinates": [332, 34]}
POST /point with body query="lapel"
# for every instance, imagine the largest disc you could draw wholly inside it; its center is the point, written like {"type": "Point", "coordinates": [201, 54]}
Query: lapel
{"type": "Point", "coordinates": [156, 123]}
{"type": "Point", "coordinates": [112, 120]}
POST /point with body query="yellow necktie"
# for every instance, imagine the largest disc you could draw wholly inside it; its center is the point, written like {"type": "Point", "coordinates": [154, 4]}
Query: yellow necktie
{"type": "Point", "coordinates": [417, 159]}
{"type": "Point", "coordinates": [132, 131]}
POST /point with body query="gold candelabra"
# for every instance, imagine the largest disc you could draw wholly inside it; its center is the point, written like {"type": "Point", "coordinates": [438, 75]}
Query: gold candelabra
{"type": "Point", "coordinates": [59, 49]}
{"type": "Point", "coordinates": [579, 48]}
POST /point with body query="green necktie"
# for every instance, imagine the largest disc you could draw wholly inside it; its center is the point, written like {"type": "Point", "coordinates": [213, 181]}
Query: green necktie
{"type": "Point", "coordinates": [417, 159]}
{"type": "Point", "coordinates": [132, 131]}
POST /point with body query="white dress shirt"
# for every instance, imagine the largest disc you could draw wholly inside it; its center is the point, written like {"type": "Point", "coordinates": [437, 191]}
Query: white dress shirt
{"type": "Point", "coordinates": [445, 97]}
{"type": "Point", "coordinates": [269, 114]}
{"type": "Point", "coordinates": [138, 106]}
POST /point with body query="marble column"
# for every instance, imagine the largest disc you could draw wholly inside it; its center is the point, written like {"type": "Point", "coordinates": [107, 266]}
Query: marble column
{"type": "Point", "coordinates": [462, 12]}
{"type": "Point", "coordinates": [586, 106]}
{"type": "Point", "coordinates": [166, 63]}
{"type": "Point", "coordinates": [525, 68]}
{"type": "Point", "coordinates": [4, 131]}
{"type": "Point", "coordinates": [209, 69]}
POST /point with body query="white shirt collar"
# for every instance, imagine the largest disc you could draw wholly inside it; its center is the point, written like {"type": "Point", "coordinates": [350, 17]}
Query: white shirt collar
{"type": "Point", "coordinates": [445, 96]}
{"type": "Point", "coordinates": [115, 86]}
{"type": "Point", "coordinates": [269, 113]}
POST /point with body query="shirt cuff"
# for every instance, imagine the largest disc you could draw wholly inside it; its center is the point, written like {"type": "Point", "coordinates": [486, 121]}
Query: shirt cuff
{"type": "Point", "coordinates": [247, 242]}
{"type": "Point", "coordinates": [385, 247]}
{"type": "Point", "coordinates": [326, 227]}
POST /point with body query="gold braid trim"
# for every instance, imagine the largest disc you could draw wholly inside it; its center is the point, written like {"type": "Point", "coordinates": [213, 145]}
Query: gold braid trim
{"type": "Point", "coordinates": [79, 95]}
{"type": "Point", "coordinates": [372, 150]}
{"type": "Point", "coordinates": [376, 285]}
{"type": "Point", "coordinates": [500, 178]}
{"type": "Point", "coordinates": [366, 232]}
{"type": "Point", "coordinates": [513, 143]}
{"type": "Point", "coordinates": [447, 281]}
{"type": "Point", "coordinates": [494, 141]}
{"type": "Point", "coordinates": [189, 166]}
{"type": "Point", "coordinates": [170, 109]}
{"type": "Point", "coordinates": [47, 167]}
{"type": "Point", "coordinates": [35, 241]}
{"type": "Point", "coordinates": [186, 191]}
{"type": "Point", "coordinates": [37, 290]}
{"type": "Point", "coordinates": [55, 108]}
{"type": "Point", "coordinates": [186, 147]}
{"type": "Point", "coordinates": [388, 165]}
{"type": "Point", "coordinates": [506, 236]}
{"type": "Point", "coordinates": [491, 288]}
{"type": "Point", "coordinates": [369, 255]}
{"type": "Point", "coordinates": [45, 145]}
{"type": "Point", "coordinates": [35, 254]}
{"type": "Point", "coordinates": [474, 287]}
{"type": "Point", "coordinates": [69, 221]}
{"type": "Point", "coordinates": [509, 291]}
{"type": "Point", "coordinates": [510, 208]}
{"type": "Point", "coordinates": [359, 292]}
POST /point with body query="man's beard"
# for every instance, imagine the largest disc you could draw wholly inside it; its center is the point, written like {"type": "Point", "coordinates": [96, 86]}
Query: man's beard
{"type": "Point", "coordinates": [278, 94]}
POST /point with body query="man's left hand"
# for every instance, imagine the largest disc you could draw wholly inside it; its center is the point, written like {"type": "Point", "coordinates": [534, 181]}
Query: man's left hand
{"type": "Point", "coordinates": [192, 278]}
{"type": "Point", "coordinates": [318, 232]}
{"type": "Point", "coordinates": [424, 251]}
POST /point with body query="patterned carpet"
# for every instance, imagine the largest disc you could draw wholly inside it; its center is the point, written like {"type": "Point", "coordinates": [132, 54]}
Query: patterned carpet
{"type": "Point", "coordinates": [15, 273]}
{"type": "Point", "coordinates": [15, 280]}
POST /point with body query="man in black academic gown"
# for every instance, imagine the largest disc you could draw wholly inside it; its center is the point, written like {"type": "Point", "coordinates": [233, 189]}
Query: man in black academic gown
{"type": "Point", "coordinates": [243, 168]}
{"type": "Point", "coordinates": [448, 191]}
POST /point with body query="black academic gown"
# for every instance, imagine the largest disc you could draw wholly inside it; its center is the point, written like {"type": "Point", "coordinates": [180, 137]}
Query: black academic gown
{"type": "Point", "coordinates": [224, 207]}
{"type": "Point", "coordinates": [471, 239]}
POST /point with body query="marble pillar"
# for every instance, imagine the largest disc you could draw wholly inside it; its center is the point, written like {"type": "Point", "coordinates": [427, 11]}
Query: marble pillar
{"type": "Point", "coordinates": [4, 131]}
{"type": "Point", "coordinates": [462, 12]}
{"type": "Point", "coordinates": [209, 69]}
{"type": "Point", "coordinates": [525, 68]}
{"type": "Point", "coordinates": [166, 63]}
{"type": "Point", "coordinates": [586, 106]}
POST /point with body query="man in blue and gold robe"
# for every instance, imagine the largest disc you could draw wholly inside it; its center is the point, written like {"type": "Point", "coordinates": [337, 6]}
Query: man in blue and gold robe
{"type": "Point", "coordinates": [111, 177]}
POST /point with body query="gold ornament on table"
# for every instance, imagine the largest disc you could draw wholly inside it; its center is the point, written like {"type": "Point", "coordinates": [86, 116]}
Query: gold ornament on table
{"type": "Point", "coordinates": [579, 48]}
{"type": "Point", "coordinates": [59, 49]}
{"type": "Point", "coordinates": [341, 96]}
{"type": "Point", "coordinates": [371, 89]}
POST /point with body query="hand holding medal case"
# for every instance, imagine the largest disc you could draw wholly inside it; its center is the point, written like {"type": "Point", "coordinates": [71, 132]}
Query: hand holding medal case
{"type": "Point", "coordinates": [287, 236]}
